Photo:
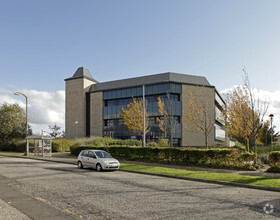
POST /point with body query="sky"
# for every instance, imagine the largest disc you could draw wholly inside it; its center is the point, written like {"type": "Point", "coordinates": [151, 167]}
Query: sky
{"type": "Point", "coordinates": [44, 42]}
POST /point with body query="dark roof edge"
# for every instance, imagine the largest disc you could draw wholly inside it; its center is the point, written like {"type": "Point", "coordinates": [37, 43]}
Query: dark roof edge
{"type": "Point", "coordinates": [190, 84]}
{"type": "Point", "coordinates": [91, 79]}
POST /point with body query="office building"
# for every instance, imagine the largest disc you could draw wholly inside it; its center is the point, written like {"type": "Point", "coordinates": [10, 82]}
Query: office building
{"type": "Point", "coordinates": [92, 108]}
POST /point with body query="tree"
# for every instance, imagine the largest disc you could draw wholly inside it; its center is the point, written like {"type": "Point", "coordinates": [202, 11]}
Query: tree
{"type": "Point", "coordinates": [166, 120]}
{"type": "Point", "coordinates": [133, 117]}
{"type": "Point", "coordinates": [199, 116]}
{"type": "Point", "coordinates": [244, 115]}
{"type": "Point", "coordinates": [257, 108]}
{"type": "Point", "coordinates": [245, 112]}
{"type": "Point", "coordinates": [55, 131]}
{"type": "Point", "coordinates": [264, 137]}
{"type": "Point", "coordinates": [12, 122]}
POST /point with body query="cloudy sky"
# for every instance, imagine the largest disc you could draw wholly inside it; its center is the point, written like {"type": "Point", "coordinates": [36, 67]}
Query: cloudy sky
{"type": "Point", "coordinates": [44, 42]}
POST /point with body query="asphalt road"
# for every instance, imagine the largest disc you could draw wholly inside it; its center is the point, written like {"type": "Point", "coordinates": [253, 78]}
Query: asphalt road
{"type": "Point", "coordinates": [48, 190]}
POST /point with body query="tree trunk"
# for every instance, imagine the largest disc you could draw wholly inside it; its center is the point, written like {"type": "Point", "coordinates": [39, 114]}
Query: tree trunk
{"type": "Point", "coordinates": [206, 141]}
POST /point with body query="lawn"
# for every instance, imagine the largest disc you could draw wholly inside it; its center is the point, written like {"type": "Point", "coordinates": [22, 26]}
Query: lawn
{"type": "Point", "coordinates": [225, 177]}
{"type": "Point", "coordinates": [10, 153]}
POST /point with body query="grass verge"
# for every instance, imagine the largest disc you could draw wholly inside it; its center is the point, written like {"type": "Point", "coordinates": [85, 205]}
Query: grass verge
{"type": "Point", "coordinates": [225, 177]}
{"type": "Point", "coordinates": [10, 154]}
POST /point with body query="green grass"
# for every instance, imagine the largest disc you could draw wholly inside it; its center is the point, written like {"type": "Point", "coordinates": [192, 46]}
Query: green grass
{"type": "Point", "coordinates": [10, 154]}
{"type": "Point", "coordinates": [226, 177]}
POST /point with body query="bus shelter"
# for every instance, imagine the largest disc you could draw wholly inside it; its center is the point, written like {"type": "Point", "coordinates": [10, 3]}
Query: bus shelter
{"type": "Point", "coordinates": [39, 146]}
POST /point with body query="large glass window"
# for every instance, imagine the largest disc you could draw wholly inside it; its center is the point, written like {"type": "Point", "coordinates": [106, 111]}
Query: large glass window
{"type": "Point", "coordinates": [218, 115]}
{"type": "Point", "coordinates": [115, 99]}
{"type": "Point", "coordinates": [219, 100]}
{"type": "Point", "coordinates": [220, 134]}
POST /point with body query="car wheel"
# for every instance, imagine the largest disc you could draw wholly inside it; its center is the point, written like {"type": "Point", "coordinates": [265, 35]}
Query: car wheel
{"type": "Point", "coordinates": [80, 165]}
{"type": "Point", "coordinates": [98, 167]}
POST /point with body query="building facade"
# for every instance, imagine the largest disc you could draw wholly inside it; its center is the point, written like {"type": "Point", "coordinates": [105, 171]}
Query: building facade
{"type": "Point", "coordinates": [92, 108]}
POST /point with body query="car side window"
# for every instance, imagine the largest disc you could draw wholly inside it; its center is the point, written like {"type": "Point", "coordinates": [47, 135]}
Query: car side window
{"type": "Point", "coordinates": [91, 154]}
{"type": "Point", "coordinates": [85, 153]}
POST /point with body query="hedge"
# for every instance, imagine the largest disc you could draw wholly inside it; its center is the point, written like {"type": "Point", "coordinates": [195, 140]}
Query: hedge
{"type": "Point", "coordinates": [61, 145]}
{"type": "Point", "coordinates": [13, 145]}
{"type": "Point", "coordinates": [216, 158]}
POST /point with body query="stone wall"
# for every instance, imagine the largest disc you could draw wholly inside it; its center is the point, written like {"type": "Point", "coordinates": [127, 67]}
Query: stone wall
{"type": "Point", "coordinates": [96, 114]}
{"type": "Point", "coordinates": [75, 107]}
{"type": "Point", "coordinates": [190, 136]}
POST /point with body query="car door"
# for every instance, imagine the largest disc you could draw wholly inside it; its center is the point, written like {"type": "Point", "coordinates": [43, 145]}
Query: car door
{"type": "Point", "coordinates": [92, 159]}
{"type": "Point", "coordinates": [85, 158]}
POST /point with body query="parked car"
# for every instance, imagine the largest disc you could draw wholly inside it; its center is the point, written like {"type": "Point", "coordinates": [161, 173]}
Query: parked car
{"type": "Point", "coordinates": [97, 159]}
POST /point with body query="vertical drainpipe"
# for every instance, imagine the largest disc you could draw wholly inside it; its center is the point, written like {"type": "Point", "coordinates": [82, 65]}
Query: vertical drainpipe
{"type": "Point", "coordinates": [144, 117]}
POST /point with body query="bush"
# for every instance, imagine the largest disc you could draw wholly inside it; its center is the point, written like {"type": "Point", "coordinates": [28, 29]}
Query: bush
{"type": "Point", "coordinates": [238, 147]}
{"type": "Point", "coordinates": [61, 145]}
{"type": "Point", "coordinates": [274, 157]}
{"type": "Point", "coordinates": [153, 144]}
{"type": "Point", "coordinates": [217, 158]}
{"type": "Point", "coordinates": [106, 141]}
{"type": "Point", "coordinates": [274, 169]}
{"type": "Point", "coordinates": [163, 142]}
{"type": "Point", "coordinates": [263, 158]}
{"type": "Point", "coordinates": [13, 145]}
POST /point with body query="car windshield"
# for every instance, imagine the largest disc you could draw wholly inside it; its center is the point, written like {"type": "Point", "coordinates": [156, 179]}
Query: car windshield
{"type": "Point", "coordinates": [102, 154]}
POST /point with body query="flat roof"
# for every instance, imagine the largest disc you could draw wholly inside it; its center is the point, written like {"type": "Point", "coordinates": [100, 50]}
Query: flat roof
{"type": "Point", "coordinates": [151, 79]}
{"type": "Point", "coordinates": [39, 137]}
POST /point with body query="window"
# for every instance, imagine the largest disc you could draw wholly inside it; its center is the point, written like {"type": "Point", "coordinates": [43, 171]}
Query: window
{"type": "Point", "coordinates": [85, 153]}
{"type": "Point", "coordinates": [218, 115]}
{"type": "Point", "coordinates": [220, 134]}
{"type": "Point", "coordinates": [91, 154]}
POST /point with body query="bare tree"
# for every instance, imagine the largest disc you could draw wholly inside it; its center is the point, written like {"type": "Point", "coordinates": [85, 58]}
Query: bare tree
{"type": "Point", "coordinates": [199, 117]}
{"type": "Point", "coordinates": [257, 108]}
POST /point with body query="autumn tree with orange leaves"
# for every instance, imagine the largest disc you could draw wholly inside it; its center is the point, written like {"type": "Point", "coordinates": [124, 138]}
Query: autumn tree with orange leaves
{"type": "Point", "coordinates": [133, 117]}
{"type": "Point", "coordinates": [166, 120]}
{"type": "Point", "coordinates": [199, 117]}
{"type": "Point", "coordinates": [243, 122]}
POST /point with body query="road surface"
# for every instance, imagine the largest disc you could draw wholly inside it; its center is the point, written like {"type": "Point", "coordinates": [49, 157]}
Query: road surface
{"type": "Point", "coordinates": [48, 190]}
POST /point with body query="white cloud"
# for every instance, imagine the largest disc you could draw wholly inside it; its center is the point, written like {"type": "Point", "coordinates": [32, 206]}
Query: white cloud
{"type": "Point", "coordinates": [44, 108]}
{"type": "Point", "coordinates": [274, 103]}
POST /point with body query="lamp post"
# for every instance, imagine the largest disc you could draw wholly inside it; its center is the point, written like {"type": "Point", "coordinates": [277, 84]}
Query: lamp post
{"type": "Point", "coordinates": [76, 123]}
{"type": "Point", "coordinates": [26, 115]}
{"type": "Point", "coordinates": [144, 118]}
{"type": "Point", "coordinates": [271, 119]}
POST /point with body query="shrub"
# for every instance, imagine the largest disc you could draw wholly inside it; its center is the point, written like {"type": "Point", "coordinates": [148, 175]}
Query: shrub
{"type": "Point", "coordinates": [263, 158]}
{"type": "Point", "coordinates": [274, 169]}
{"type": "Point", "coordinates": [153, 144]}
{"type": "Point", "coordinates": [163, 142]}
{"type": "Point", "coordinates": [61, 145]}
{"type": "Point", "coordinates": [219, 158]}
{"type": "Point", "coordinates": [274, 157]}
{"type": "Point", "coordinates": [13, 145]}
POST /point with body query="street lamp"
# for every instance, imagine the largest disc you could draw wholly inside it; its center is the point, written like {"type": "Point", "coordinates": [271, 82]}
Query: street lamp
{"type": "Point", "coordinates": [271, 119]}
{"type": "Point", "coordinates": [76, 123]}
{"type": "Point", "coordinates": [26, 115]}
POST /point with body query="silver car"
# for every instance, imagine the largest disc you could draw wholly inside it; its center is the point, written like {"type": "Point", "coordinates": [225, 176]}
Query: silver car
{"type": "Point", "coordinates": [97, 159]}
